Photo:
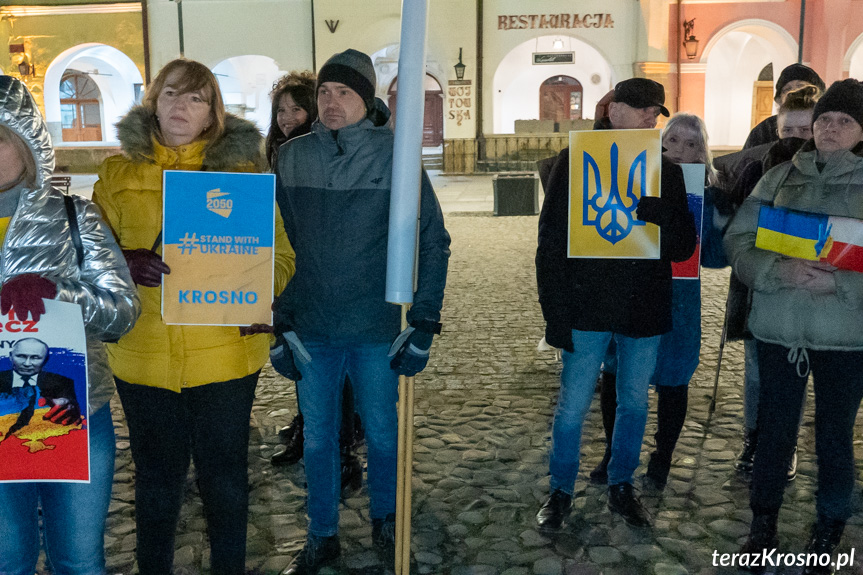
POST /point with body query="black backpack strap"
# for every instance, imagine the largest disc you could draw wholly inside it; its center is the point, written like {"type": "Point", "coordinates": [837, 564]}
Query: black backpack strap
{"type": "Point", "coordinates": [73, 228]}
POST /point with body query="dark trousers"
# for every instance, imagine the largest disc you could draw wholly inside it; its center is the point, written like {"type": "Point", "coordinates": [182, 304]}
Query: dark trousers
{"type": "Point", "coordinates": [209, 423]}
{"type": "Point", "coordinates": [838, 382]}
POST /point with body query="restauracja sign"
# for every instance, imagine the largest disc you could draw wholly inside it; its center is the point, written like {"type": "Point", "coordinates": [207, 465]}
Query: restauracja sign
{"type": "Point", "coordinates": [569, 21]}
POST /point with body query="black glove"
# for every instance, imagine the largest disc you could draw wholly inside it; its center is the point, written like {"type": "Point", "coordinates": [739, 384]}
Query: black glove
{"type": "Point", "coordinates": [653, 210]}
{"type": "Point", "coordinates": [146, 267]}
{"type": "Point", "coordinates": [255, 328]}
{"type": "Point", "coordinates": [282, 358]}
{"type": "Point", "coordinates": [559, 336]}
{"type": "Point", "coordinates": [410, 351]}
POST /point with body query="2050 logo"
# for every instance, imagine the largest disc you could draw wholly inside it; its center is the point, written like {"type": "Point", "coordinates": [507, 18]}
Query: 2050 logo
{"type": "Point", "coordinates": [218, 203]}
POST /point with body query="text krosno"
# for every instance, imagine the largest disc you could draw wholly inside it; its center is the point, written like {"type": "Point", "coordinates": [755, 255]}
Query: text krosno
{"type": "Point", "coordinates": [568, 21]}
{"type": "Point", "coordinates": [222, 297]}
{"type": "Point", "coordinates": [772, 558]}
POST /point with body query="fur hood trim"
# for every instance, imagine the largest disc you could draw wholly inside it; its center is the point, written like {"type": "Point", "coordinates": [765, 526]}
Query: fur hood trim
{"type": "Point", "coordinates": [241, 142]}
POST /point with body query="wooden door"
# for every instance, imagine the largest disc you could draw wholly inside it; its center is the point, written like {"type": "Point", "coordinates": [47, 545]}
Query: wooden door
{"type": "Point", "coordinates": [433, 120]}
{"type": "Point", "coordinates": [432, 115]}
{"type": "Point", "coordinates": [80, 109]}
{"type": "Point", "coordinates": [762, 102]}
{"type": "Point", "coordinates": [560, 99]}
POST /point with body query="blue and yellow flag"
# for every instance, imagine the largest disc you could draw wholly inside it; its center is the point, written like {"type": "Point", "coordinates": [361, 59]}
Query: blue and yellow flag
{"type": "Point", "coordinates": [795, 234]}
{"type": "Point", "coordinates": [218, 233]}
{"type": "Point", "coordinates": [609, 171]}
{"type": "Point", "coordinates": [833, 239]}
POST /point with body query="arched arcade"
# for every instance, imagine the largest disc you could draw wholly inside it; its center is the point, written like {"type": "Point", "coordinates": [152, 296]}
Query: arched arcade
{"type": "Point", "coordinates": [110, 81]}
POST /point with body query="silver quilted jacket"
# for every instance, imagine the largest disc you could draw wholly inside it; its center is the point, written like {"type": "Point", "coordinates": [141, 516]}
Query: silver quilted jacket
{"type": "Point", "coordinates": [38, 241]}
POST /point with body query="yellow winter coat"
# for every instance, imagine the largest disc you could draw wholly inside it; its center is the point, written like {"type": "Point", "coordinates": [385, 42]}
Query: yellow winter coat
{"type": "Point", "coordinates": [129, 191]}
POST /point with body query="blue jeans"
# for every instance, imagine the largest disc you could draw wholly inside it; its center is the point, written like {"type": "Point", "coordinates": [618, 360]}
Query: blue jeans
{"type": "Point", "coordinates": [320, 396]}
{"type": "Point", "coordinates": [751, 383]}
{"type": "Point", "coordinates": [636, 360]}
{"type": "Point", "coordinates": [680, 349]}
{"type": "Point", "coordinates": [74, 514]}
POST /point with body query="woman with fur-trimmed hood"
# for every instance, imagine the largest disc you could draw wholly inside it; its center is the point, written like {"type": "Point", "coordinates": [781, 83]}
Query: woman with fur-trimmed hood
{"type": "Point", "coordinates": [186, 390]}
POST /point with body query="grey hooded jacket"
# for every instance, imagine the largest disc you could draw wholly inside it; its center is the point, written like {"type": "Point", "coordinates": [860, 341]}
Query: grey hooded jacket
{"type": "Point", "coordinates": [784, 314]}
{"type": "Point", "coordinates": [38, 241]}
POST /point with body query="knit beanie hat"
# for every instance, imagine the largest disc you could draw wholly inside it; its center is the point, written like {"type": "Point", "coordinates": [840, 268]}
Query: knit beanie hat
{"type": "Point", "coordinates": [798, 72]}
{"type": "Point", "coordinates": [353, 69]}
{"type": "Point", "coordinates": [845, 96]}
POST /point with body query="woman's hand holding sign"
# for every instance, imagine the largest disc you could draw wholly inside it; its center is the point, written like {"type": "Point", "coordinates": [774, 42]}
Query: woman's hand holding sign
{"type": "Point", "coordinates": [146, 267]}
{"type": "Point", "coordinates": [24, 294]}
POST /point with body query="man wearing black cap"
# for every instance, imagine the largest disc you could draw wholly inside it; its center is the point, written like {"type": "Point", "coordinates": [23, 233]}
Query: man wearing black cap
{"type": "Point", "coordinates": [792, 78]}
{"type": "Point", "coordinates": [587, 303]}
{"type": "Point", "coordinates": [333, 191]}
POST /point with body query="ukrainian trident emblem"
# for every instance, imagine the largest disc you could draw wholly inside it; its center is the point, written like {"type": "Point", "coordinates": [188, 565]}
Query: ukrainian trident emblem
{"type": "Point", "coordinates": [612, 216]}
{"type": "Point", "coordinates": [610, 171]}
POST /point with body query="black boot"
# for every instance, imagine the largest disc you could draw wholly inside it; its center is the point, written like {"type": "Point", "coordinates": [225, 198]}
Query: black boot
{"type": "Point", "coordinates": [352, 470]}
{"type": "Point", "coordinates": [747, 454]}
{"type": "Point", "coordinates": [599, 474]}
{"type": "Point", "coordinates": [384, 539]}
{"type": "Point", "coordinates": [670, 415]}
{"type": "Point", "coordinates": [608, 408]}
{"type": "Point", "coordinates": [656, 476]}
{"type": "Point", "coordinates": [554, 511]}
{"type": "Point", "coordinates": [622, 500]}
{"type": "Point", "coordinates": [292, 436]}
{"type": "Point", "coordinates": [825, 537]}
{"type": "Point", "coordinates": [318, 552]}
{"type": "Point", "coordinates": [359, 431]}
{"type": "Point", "coordinates": [762, 536]}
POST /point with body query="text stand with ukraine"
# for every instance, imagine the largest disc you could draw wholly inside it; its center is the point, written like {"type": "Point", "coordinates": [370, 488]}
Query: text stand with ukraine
{"type": "Point", "coordinates": [402, 239]}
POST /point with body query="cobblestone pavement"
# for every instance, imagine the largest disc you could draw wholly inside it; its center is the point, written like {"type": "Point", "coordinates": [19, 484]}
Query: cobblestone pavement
{"type": "Point", "coordinates": [483, 416]}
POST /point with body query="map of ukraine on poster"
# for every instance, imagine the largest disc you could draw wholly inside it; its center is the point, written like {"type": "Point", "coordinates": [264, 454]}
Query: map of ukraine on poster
{"type": "Point", "coordinates": [218, 236]}
{"type": "Point", "coordinates": [609, 171]}
{"type": "Point", "coordinates": [44, 428]}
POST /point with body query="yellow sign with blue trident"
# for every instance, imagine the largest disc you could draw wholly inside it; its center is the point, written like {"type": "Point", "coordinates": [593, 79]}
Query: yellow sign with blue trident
{"type": "Point", "coordinates": [609, 171]}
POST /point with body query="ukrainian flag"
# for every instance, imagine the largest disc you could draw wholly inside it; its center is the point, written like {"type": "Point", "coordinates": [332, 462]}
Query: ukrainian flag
{"type": "Point", "coordinates": [795, 234]}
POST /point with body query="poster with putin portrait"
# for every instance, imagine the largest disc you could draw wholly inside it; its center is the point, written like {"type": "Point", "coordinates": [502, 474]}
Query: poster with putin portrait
{"type": "Point", "coordinates": [44, 432]}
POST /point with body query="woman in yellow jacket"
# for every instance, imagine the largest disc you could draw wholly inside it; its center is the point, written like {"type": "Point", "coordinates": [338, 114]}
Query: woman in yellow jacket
{"type": "Point", "coordinates": [187, 391]}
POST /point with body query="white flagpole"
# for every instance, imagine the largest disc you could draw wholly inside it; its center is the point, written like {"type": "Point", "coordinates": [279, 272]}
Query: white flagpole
{"type": "Point", "coordinates": [402, 242]}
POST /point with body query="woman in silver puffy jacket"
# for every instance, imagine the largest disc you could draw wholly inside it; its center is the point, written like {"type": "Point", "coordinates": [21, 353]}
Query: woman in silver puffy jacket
{"type": "Point", "coordinates": [38, 259]}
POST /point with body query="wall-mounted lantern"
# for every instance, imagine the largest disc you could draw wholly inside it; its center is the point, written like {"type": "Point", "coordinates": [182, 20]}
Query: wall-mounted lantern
{"type": "Point", "coordinates": [25, 66]}
{"type": "Point", "coordinates": [459, 68]}
{"type": "Point", "coordinates": [690, 42]}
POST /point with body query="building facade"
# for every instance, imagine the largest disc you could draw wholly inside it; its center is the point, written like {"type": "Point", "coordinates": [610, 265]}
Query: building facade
{"type": "Point", "coordinates": [502, 76]}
